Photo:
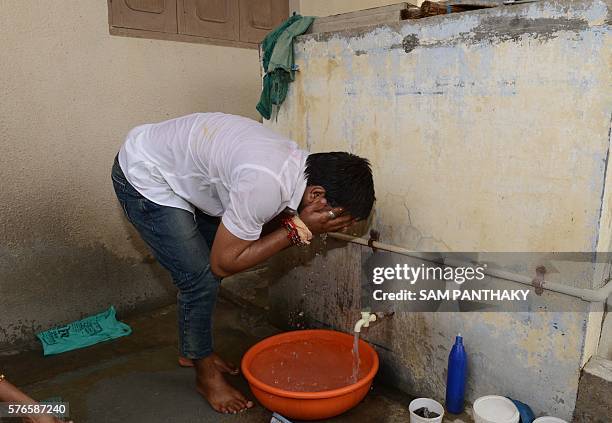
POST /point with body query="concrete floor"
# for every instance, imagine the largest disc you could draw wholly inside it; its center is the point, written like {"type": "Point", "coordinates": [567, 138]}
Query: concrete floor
{"type": "Point", "coordinates": [136, 378]}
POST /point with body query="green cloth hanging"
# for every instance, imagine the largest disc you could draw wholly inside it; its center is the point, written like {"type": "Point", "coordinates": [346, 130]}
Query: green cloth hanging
{"type": "Point", "coordinates": [83, 333]}
{"type": "Point", "coordinates": [277, 60]}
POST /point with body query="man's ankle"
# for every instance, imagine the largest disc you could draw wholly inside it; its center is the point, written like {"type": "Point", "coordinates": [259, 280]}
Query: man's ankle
{"type": "Point", "coordinates": [204, 363]}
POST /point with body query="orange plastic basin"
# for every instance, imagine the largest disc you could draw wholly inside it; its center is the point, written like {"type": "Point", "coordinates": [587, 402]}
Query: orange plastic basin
{"type": "Point", "coordinates": [261, 362]}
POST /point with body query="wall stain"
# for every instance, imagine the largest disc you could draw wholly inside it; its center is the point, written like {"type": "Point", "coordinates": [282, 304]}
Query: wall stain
{"type": "Point", "coordinates": [410, 42]}
{"type": "Point", "coordinates": [499, 29]}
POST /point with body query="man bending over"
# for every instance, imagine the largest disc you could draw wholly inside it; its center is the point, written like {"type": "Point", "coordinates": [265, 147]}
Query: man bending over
{"type": "Point", "coordinates": [199, 189]}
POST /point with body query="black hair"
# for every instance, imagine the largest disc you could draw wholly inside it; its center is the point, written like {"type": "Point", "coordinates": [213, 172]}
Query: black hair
{"type": "Point", "coordinates": [347, 180]}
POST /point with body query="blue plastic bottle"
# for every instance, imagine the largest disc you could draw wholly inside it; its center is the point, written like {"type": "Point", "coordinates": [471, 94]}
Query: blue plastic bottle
{"type": "Point", "coordinates": [457, 374]}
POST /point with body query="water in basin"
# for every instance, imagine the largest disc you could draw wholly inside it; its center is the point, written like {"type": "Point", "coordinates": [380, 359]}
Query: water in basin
{"type": "Point", "coordinates": [308, 366]}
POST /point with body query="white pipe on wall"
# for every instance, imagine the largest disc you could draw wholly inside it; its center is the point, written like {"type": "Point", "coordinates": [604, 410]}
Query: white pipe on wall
{"type": "Point", "coordinates": [599, 295]}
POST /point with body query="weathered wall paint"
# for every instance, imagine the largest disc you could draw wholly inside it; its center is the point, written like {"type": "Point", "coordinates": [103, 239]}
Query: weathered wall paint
{"type": "Point", "coordinates": [487, 131]}
{"type": "Point", "coordinates": [70, 92]}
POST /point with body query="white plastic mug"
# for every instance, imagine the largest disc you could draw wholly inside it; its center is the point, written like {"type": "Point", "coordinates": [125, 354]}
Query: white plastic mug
{"type": "Point", "coordinates": [432, 405]}
{"type": "Point", "coordinates": [548, 419]}
{"type": "Point", "coordinates": [495, 409]}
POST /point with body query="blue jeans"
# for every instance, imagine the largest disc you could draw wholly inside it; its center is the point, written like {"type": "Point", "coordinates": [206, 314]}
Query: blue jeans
{"type": "Point", "coordinates": [181, 243]}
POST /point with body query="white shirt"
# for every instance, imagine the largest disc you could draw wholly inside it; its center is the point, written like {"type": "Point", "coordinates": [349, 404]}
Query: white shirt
{"type": "Point", "coordinates": [224, 165]}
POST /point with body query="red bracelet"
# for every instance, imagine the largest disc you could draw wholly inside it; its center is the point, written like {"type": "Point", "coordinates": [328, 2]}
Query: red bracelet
{"type": "Point", "coordinates": [292, 233]}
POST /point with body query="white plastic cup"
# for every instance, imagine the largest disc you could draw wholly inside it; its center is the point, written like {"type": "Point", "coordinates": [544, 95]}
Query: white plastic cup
{"type": "Point", "coordinates": [432, 405]}
{"type": "Point", "coordinates": [495, 409]}
{"type": "Point", "coordinates": [549, 419]}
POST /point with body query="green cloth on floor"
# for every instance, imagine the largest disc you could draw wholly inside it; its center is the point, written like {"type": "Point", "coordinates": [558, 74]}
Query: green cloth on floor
{"type": "Point", "coordinates": [277, 59]}
{"type": "Point", "coordinates": [83, 333]}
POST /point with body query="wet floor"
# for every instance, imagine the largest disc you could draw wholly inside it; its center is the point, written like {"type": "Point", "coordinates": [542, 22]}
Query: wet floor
{"type": "Point", "coordinates": [137, 379]}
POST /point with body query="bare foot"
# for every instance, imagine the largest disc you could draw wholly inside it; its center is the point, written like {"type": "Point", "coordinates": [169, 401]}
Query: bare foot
{"type": "Point", "coordinates": [212, 385]}
{"type": "Point", "coordinates": [221, 364]}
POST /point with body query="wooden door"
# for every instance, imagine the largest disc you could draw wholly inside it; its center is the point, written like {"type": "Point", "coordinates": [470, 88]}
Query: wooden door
{"type": "Point", "coordinates": [258, 17]}
{"type": "Point", "coordinates": [150, 15]}
{"type": "Point", "coordinates": [209, 18]}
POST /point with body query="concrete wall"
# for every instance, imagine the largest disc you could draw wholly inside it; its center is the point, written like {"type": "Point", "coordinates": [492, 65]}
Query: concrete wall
{"type": "Point", "coordinates": [487, 131]}
{"type": "Point", "coordinates": [605, 343]}
{"type": "Point", "coordinates": [70, 92]}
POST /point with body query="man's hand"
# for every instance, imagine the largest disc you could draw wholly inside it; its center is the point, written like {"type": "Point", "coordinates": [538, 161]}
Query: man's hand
{"type": "Point", "coordinates": [319, 220]}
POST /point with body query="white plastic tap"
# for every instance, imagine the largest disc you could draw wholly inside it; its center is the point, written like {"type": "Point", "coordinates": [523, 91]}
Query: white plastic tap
{"type": "Point", "coordinates": [364, 322]}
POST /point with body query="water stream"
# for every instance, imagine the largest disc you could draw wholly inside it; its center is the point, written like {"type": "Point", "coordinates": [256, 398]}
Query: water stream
{"type": "Point", "coordinates": [355, 375]}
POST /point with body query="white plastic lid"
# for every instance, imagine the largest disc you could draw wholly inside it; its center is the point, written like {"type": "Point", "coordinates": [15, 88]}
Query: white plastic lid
{"type": "Point", "coordinates": [495, 408]}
